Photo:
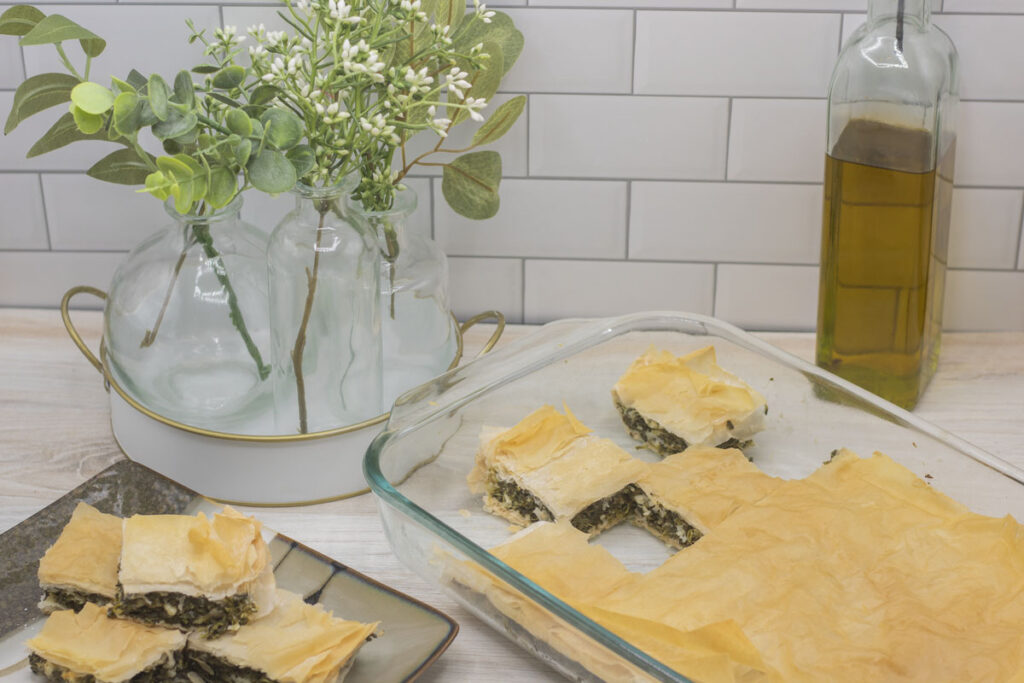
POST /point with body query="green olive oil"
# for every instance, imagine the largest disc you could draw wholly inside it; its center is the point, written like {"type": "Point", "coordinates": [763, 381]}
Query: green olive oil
{"type": "Point", "coordinates": [883, 258]}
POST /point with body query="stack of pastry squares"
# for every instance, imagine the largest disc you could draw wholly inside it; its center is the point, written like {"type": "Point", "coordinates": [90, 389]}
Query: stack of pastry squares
{"type": "Point", "coordinates": [168, 597]}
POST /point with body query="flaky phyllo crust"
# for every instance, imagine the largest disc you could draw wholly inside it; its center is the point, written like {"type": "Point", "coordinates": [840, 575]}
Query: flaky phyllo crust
{"type": "Point", "coordinates": [549, 467]}
{"type": "Point", "coordinates": [85, 557]}
{"type": "Point", "coordinates": [213, 558]}
{"type": "Point", "coordinates": [89, 643]}
{"type": "Point", "coordinates": [295, 642]}
{"type": "Point", "coordinates": [689, 397]}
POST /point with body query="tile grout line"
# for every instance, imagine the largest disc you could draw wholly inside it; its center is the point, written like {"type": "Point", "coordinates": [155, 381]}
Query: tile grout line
{"type": "Point", "coordinates": [522, 290]}
{"type": "Point", "coordinates": [529, 108]}
{"type": "Point", "coordinates": [728, 138]}
{"type": "Point", "coordinates": [629, 214]}
{"type": "Point", "coordinates": [1020, 238]}
{"type": "Point", "coordinates": [632, 65]}
{"type": "Point", "coordinates": [714, 289]}
{"type": "Point", "coordinates": [46, 214]}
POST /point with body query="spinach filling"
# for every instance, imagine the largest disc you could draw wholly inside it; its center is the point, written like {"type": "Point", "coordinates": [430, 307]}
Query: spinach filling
{"type": "Point", "coordinates": [163, 670]}
{"type": "Point", "coordinates": [212, 618]}
{"type": "Point", "coordinates": [511, 496]}
{"type": "Point", "coordinates": [606, 512]}
{"type": "Point", "coordinates": [203, 667]}
{"type": "Point", "coordinates": [659, 439]}
{"type": "Point", "coordinates": [72, 599]}
{"type": "Point", "coordinates": [665, 523]}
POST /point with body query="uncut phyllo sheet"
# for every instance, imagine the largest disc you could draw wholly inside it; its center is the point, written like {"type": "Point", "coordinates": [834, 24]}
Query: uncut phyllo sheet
{"type": "Point", "coordinates": [670, 403]}
{"type": "Point", "coordinates": [294, 643]}
{"type": "Point", "coordinates": [194, 573]}
{"type": "Point", "coordinates": [551, 467]}
{"type": "Point", "coordinates": [81, 566]}
{"type": "Point", "coordinates": [89, 647]}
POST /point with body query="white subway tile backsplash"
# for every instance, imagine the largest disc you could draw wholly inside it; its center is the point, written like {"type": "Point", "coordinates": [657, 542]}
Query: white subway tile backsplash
{"type": "Point", "coordinates": [757, 297]}
{"type": "Point", "coordinates": [486, 284]}
{"type": "Point", "coordinates": [777, 140]}
{"type": "Point", "coordinates": [735, 53]}
{"type": "Point", "coordinates": [151, 39]}
{"type": "Point", "coordinates": [572, 51]}
{"type": "Point", "coordinates": [628, 137]}
{"type": "Point", "coordinates": [12, 73]}
{"type": "Point", "coordinates": [989, 48]}
{"type": "Point", "coordinates": [995, 6]}
{"type": "Point", "coordinates": [244, 17]}
{"type": "Point", "coordinates": [755, 223]}
{"type": "Point", "coordinates": [984, 228]}
{"type": "Point", "coordinates": [40, 278]}
{"type": "Point", "coordinates": [990, 137]}
{"type": "Point", "coordinates": [643, 4]}
{"type": "Point", "coordinates": [561, 289]}
{"type": "Point", "coordinates": [88, 214]}
{"type": "Point", "coordinates": [835, 5]}
{"type": "Point", "coordinates": [22, 220]}
{"type": "Point", "coordinates": [511, 146]}
{"type": "Point", "coordinates": [984, 300]}
{"type": "Point", "coordinates": [546, 218]}
{"type": "Point", "coordinates": [15, 145]}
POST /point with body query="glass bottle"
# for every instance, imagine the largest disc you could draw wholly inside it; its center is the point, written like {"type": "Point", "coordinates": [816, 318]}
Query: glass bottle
{"type": "Point", "coordinates": [888, 190]}
{"type": "Point", "coordinates": [418, 331]}
{"type": "Point", "coordinates": [324, 272]}
{"type": "Point", "coordinates": [186, 327]}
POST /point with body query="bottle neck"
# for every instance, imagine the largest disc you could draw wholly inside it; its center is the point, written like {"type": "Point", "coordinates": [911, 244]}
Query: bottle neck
{"type": "Point", "coordinates": [914, 11]}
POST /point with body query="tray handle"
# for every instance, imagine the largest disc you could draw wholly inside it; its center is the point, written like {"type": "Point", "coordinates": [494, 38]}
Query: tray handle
{"type": "Point", "coordinates": [65, 315]}
{"type": "Point", "coordinates": [497, 317]}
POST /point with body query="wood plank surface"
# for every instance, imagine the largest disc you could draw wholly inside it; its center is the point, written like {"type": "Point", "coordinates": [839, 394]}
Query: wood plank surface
{"type": "Point", "coordinates": [55, 434]}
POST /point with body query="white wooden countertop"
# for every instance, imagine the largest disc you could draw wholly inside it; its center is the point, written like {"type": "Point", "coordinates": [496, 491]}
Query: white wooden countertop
{"type": "Point", "coordinates": [55, 434]}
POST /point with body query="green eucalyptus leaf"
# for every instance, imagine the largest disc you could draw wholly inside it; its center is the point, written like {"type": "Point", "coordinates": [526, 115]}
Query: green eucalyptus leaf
{"type": "Point", "coordinates": [302, 159]}
{"type": "Point", "coordinates": [92, 98]}
{"type": "Point", "coordinates": [470, 184]}
{"type": "Point", "coordinates": [257, 129]}
{"type": "Point", "coordinates": [500, 121]}
{"type": "Point", "coordinates": [57, 28]}
{"type": "Point", "coordinates": [122, 86]}
{"type": "Point", "coordinates": [86, 122]}
{"type": "Point", "coordinates": [221, 97]}
{"type": "Point", "coordinates": [238, 122]}
{"type": "Point", "coordinates": [136, 80]}
{"type": "Point", "coordinates": [123, 167]}
{"type": "Point", "coordinates": [184, 90]}
{"type": "Point", "coordinates": [450, 13]}
{"type": "Point", "coordinates": [188, 180]}
{"type": "Point", "coordinates": [189, 138]}
{"type": "Point", "coordinates": [146, 115]}
{"type": "Point", "coordinates": [125, 118]}
{"type": "Point", "coordinates": [172, 147]}
{"type": "Point", "coordinates": [38, 93]}
{"type": "Point", "coordinates": [263, 94]}
{"type": "Point", "coordinates": [242, 152]}
{"type": "Point", "coordinates": [19, 20]}
{"type": "Point", "coordinates": [229, 78]}
{"type": "Point", "coordinates": [63, 132]}
{"type": "Point", "coordinates": [205, 69]}
{"type": "Point", "coordinates": [158, 185]}
{"type": "Point", "coordinates": [158, 96]}
{"type": "Point", "coordinates": [270, 171]}
{"type": "Point", "coordinates": [282, 129]}
{"type": "Point", "coordinates": [223, 187]}
{"type": "Point", "coordinates": [485, 82]}
{"type": "Point", "coordinates": [176, 125]}
{"type": "Point", "coordinates": [502, 30]}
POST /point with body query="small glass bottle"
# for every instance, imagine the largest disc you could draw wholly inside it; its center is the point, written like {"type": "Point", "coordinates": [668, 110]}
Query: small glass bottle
{"type": "Point", "coordinates": [419, 334]}
{"type": "Point", "coordinates": [186, 327]}
{"type": "Point", "coordinates": [324, 271]}
{"type": "Point", "coordinates": [888, 190]}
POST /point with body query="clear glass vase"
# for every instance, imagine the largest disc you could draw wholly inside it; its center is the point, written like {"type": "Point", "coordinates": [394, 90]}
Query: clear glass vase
{"type": "Point", "coordinates": [324, 272]}
{"type": "Point", "coordinates": [186, 327]}
{"type": "Point", "coordinates": [888, 193]}
{"type": "Point", "coordinates": [420, 338]}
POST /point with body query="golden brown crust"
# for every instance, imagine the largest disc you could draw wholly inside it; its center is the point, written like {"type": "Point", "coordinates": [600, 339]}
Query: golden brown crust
{"type": "Point", "coordinates": [86, 554]}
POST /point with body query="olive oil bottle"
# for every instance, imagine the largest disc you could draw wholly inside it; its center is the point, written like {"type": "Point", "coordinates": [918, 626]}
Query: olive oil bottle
{"type": "Point", "coordinates": [887, 198]}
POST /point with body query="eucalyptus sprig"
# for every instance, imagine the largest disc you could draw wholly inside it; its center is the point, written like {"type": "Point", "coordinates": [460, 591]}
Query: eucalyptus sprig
{"type": "Point", "coordinates": [365, 76]}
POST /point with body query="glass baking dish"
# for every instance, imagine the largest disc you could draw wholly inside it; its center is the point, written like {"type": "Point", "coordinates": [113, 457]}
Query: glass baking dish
{"type": "Point", "coordinates": [417, 466]}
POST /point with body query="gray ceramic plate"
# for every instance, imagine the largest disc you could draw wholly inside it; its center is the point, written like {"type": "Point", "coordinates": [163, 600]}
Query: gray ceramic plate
{"type": "Point", "coordinates": [414, 634]}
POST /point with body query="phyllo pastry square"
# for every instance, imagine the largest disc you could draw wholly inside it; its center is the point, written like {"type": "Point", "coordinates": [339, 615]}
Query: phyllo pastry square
{"type": "Point", "coordinates": [89, 647]}
{"type": "Point", "coordinates": [670, 402]}
{"type": "Point", "coordinates": [81, 566]}
{"type": "Point", "coordinates": [295, 643]}
{"type": "Point", "coordinates": [207, 574]}
{"type": "Point", "coordinates": [688, 494]}
{"type": "Point", "coordinates": [549, 467]}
